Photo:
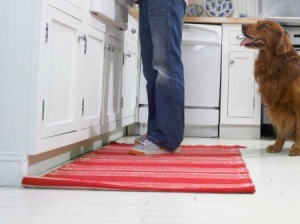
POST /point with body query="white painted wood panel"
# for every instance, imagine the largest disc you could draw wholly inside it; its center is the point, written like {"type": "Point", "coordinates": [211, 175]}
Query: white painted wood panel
{"type": "Point", "coordinates": [130, 78]}
{"type": "Point", "coordinates": [78, 3]}
{"type": "Point", "coordinates": [18, 52]}
{"type": "Point", "coordinates": [248, 6]}
{"type": "Point", "coordinates": [241, 85]}
{"type": "Point", "coordinates": [92, 78]}
{"type": "Point", "coordinates": [60, 76]}
{"type": "Point", "coordinates": [113, 80]}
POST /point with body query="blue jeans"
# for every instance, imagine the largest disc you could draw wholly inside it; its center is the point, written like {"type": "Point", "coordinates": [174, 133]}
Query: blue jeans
{"type": "Point", "coordinates": [160, 36]}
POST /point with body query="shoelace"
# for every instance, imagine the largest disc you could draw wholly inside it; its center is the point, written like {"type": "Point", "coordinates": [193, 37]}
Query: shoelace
{"type": "Point", "coordinates": [145, 142]}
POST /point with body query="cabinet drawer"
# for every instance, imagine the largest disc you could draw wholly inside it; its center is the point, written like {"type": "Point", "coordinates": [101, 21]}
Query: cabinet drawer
{"type": "Point", "coordinates": [235, 37]}
{"type": "Point", "coordinates": [70, 7]}
{"type": "Point", "coordinates": [132, 30]}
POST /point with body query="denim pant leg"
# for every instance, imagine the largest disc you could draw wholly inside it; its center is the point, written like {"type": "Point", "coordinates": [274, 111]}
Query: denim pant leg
{"type": "Point", "coordinates": [150, 73]}
{"type": "Point", "coordinates": [161, 31]}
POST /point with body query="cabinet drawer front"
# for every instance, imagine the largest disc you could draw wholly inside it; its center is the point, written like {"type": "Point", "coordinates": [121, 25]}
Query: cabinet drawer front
{"type": "Point", "coordinates": [235, 37]}
{"type": "Point", "coordinates": [132, 30]}
{"type": "Point", "coordinates": [77, 3]}
{"type": "Point", "coordinates": [70, 7]}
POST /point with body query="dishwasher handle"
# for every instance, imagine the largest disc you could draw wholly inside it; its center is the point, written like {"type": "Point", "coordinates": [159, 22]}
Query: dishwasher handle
{"type": "Point", "coordinates": [200, 42]}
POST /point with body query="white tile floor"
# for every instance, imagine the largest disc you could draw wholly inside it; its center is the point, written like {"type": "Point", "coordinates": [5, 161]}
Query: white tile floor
{"type": "Point", "coordinates": [277, 200]}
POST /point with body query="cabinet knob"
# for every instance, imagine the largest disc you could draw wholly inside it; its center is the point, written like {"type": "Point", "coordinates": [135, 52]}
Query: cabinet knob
{"type": "Point", "coordinates": [231, 61]}
{"type": "Point", "coordinates": [128, 55]}
{"type": "Point", "coordinates": [133, 30]}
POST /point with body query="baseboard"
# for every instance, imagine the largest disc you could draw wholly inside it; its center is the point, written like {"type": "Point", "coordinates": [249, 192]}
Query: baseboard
{"type": "Point", "coordinates": [240, 131]}
{"type": "Point", "coordinates": [201, 131]}
{"type": "Point", "coordinates": [13, 166]}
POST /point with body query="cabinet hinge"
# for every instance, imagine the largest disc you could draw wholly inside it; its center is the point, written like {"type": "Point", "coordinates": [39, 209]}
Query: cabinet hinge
{"type": "Point", "coordinates": [82, 107]}
{"type": "Point", "coordinates": [43, 110]}
{"type": "Point", "coordinates": [137, 102]}
{"type": "Point", "coordinates": [253, 102]}
{"type": "Point", "coordinates": [123, 59]}
{"type": "Point", "coordinates": [122, 102]}
{"type": "Point", "coordinates": [47, 33]}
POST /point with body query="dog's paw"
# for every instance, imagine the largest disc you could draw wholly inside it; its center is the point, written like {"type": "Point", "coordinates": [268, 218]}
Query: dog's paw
{"type": "Point", "coordinates": [273, 149]}
{"type": "Point", "coordinates": [295, 151]}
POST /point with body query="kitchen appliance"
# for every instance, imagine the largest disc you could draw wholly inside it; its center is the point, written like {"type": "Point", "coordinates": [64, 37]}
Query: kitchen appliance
{"type": "Point", "coordinates": [201, 56]}
{"type": "Point", "coordinates": [113, 11]}
{"type": "Point", "coordinates": [285, 12]}
{"type": "Point", "coordinates": [294, 34]}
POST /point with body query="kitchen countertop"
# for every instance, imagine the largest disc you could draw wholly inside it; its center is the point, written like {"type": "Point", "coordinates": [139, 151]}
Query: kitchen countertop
{"type": "Point", "coordinates": [218, 20]}
{"type": "Point", "coordinates": [134, 13]}
{"type": "Point", "coordinates": [207, 20]}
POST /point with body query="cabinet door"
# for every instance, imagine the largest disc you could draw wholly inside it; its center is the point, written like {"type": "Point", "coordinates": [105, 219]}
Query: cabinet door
{"type": "Point", "coordinates": [60, 75]}
{"type": "Point", "coordinates": [78, 3]}
{"type": "Point", "coordinates": [92, 77]}
{"type": "Point", "coordinates": [241, 85]}
{"type": "Point", "coordinates": [113, 64]}
{"type": "Point", "coordinates": [130, 77]}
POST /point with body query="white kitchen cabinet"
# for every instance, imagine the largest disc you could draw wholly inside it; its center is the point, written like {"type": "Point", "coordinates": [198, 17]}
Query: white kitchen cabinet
{"type": "Point", "coordinates": [54, 86]}
{"type": "Point", "coordinates": [112, 110]}
{"type": "Point", "coordinates": [61, 80]}
{"type": "Point", "coordinates": [130, 73]}
{"type": "Point", "coordinates": [59, 103]}
{"type": "Point", "coordinates": [240, 101]}
{"type": "Point", "coordinates": [91, 78]}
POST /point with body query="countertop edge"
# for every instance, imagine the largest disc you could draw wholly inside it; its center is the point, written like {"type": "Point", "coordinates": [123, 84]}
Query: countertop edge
{"type": "Point", "coordinates": [217, 20]}
{"type": "Point", "coordinates": [134, 13]}
{"type": "Point", "coordinates": [208, 20]}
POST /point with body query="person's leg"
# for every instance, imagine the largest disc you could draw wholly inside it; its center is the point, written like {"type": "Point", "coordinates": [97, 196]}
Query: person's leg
{"type": "Point", "coordinates": [166, 19]}
{"type": "Point", "coordinates": [150, 73]}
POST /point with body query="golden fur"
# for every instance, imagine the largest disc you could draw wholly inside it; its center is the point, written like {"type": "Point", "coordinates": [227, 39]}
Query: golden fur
{"type": "Point", "coordinates": [277, 71]}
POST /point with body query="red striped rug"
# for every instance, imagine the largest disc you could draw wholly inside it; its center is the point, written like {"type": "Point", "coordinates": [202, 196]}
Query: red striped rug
{"type": "Point", "coordinates": [210, 169]}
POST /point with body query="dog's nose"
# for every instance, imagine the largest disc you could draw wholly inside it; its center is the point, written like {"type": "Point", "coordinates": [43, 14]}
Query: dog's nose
{"type": "Point", "coordinates": [244, 27]}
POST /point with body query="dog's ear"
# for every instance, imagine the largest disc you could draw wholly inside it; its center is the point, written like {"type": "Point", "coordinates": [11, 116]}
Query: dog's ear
{"type": "Point", "coordinates": [283, 44]}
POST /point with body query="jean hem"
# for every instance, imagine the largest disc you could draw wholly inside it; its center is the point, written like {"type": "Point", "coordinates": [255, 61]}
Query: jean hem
{"type": "Point", "coordinates": [169, 148]}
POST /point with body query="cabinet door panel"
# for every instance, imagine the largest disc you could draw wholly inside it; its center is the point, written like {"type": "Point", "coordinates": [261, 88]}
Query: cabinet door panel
{"type": "Point", "coordinates": [78, 3]}
{"type": "Point", "coordinates": [130, 81]}
{"type": "Point", "coordinates": [113, 81]}
{"type": "Point", "coordinates": [60, 103]}
{"type": "Point", "coordinates": [241, 85]}
{"type": "Point", "coordinates": [201, 75]}
{"type": "Point", "coordinates": [92, 78]}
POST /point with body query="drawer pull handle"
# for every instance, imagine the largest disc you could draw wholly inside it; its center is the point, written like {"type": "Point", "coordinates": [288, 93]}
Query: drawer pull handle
{"type": "Point", "coordinates": [240, 37]}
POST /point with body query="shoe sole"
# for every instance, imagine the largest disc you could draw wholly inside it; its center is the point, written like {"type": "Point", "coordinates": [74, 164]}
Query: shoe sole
{"type": "Point", "coordinates": [141, 153]}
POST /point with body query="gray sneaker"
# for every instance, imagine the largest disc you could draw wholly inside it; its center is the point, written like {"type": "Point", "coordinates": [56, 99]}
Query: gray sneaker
{"type": "Point", "coordinates": [140, 139]}
{"type": "Point", "coordinates": [148, 148]}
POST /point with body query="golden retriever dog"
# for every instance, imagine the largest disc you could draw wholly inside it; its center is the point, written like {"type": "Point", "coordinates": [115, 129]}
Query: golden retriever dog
{"type": "Point", "coordinates": [277, 72]}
